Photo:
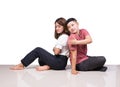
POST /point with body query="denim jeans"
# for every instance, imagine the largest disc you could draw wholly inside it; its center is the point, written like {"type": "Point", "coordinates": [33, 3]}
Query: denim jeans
{"type": "Point", "coordinates": [57, 62]}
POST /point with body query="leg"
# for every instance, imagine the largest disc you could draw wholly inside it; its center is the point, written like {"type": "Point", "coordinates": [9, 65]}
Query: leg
{"type": "Point", "coordinates": [54, 62]}
{"type": "Point", "coordinates": [41, 63]}
{"type": "Point", "coordinates": [28, 59]}
{"type": "Point", "coordinates": [42, 68]}
{"type": "Point", "coordinates": [92, 63]}
{"type": "Point", "coordinates": [18, 67]}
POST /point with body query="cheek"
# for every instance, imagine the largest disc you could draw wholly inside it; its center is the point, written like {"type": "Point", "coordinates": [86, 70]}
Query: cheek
{"type": "Point", "coordinates": [59, 30]}
{"type": "Point", "coordinates": [69, 29]}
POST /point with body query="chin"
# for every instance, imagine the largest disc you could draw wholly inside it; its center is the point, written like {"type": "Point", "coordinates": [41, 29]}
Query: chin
{"type": "Point", "coordinates": [58, 32]}
{"type": "Point", "coordinates": [73, 32]}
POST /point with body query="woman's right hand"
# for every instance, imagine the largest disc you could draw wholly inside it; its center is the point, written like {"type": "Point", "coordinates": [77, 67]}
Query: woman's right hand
{"type": "Point", "coordinates": [56, 51]}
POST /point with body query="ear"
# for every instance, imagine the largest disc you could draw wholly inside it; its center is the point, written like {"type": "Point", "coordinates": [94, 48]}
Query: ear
{"type": "Point", "coordinates": [77, 23]}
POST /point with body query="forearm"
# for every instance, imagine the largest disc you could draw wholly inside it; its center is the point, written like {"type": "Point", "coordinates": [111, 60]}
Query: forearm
{"type": "Point", "coordinates": [83, 42]}
{"type": "Point", "coordinates": [56, 51]}
{"type": "Point", "coordinates": [73, 63]}
{"type": "Point", "coordinates": [74, 71]}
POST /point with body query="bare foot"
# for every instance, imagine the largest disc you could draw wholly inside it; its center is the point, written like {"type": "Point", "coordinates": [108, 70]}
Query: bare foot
{"type": "Point", "coordinates": [42, 68]}
{"type": "Point", "coordinates": [18, 67]}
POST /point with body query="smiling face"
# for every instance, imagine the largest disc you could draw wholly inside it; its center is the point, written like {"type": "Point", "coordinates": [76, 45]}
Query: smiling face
{"type": "Point", "coordinates": [58, 28]}
{"type": "Point", "coordinates": [73, 27]}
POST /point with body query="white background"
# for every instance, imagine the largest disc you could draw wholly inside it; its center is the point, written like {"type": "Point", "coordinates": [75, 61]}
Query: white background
{"type": "Point", "coordinates": [26, 24]}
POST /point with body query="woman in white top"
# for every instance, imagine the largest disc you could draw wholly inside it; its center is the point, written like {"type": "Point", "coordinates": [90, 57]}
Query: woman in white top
{"type": "Point", "coordinates": [46, 60]}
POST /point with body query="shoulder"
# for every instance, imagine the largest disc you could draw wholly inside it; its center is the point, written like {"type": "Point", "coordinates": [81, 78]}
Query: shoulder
{"type": "Point", "coordinates": [72, 36]}
{"type": "Point", "coordinates": [84, 31]}
{"type": "Point", "coordinates": [63, 36]}
{"type": "Point", "coordinates": [62, 40]}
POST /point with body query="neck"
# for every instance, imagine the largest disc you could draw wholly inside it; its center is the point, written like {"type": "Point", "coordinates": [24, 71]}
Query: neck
{"type": "Point", "coordinates": [78, 32]}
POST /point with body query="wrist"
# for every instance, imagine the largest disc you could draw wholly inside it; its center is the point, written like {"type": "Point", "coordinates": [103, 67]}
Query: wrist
{"type": "Point", "coordinates": [73, 70]}
{"type": "Point", "coordinates": [78, 42]}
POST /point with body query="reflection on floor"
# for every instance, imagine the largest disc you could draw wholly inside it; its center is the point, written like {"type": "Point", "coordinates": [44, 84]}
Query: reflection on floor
{"type": "Point", "coordinates": [29, 77]}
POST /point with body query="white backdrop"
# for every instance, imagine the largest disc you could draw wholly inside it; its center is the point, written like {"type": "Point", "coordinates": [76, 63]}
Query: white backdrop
{"type": "Point", "coordinates": [26, 24]}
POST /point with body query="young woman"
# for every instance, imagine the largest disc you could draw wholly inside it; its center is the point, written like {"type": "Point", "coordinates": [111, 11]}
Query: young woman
{"type": "Point", "coordinates": [46, 60]}
{"type": "Point", "coordinates": [78, 40]}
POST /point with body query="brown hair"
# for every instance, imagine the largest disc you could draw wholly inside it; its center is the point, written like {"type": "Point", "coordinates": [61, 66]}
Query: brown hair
{"type": "Point", "coordinates": [61, 21]}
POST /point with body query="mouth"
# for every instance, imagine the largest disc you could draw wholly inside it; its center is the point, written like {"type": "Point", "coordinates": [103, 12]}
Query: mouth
{"type": "Point", "coordinates": [72, 31]}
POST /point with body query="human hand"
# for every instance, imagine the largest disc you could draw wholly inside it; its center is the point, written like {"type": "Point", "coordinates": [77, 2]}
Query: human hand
{"type": "Point", "coordinates": [75, 72]}
{"type": "Point", "coordinates": [53, 49]}
{"type": "Point", "coordinates": [73, 42]}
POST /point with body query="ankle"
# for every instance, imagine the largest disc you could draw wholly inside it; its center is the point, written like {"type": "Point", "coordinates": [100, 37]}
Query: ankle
{"type": "Point", "coordinates": [20, 65]}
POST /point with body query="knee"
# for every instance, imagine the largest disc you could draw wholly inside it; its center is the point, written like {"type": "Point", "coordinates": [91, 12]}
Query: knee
{"type": "Point", "coordinates": [103, 59]}
{"type": "Point", "coordinates": [37, 48]}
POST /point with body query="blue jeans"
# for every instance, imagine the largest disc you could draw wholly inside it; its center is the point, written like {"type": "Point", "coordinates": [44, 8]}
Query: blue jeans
{"type": "Point", "coordinates": [56, 62]}
{"type": "Point", "coordinates": [91, 64]}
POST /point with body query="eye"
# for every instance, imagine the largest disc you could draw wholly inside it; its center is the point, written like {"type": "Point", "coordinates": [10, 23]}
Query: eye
{"type": "Point", "coordinates": [72, 25]}
{"type": "Point", "coordinates": [59, 26]}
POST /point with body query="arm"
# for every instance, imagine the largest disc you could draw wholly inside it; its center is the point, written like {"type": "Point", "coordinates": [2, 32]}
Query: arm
{"type": "Point", "coordinates": [73, 62]}
{"type": "Point", "coordinates": [56, 50]}
{"type": "Point", "coordinates": [62, 41]}
{"type": "Point", "coordinates": [87, 40]}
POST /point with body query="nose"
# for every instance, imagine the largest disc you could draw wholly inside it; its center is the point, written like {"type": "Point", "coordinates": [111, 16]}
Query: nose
{"type": "Point", "coordinates": [72, 28]}
{"type": "Point", "coordinates": [57, 28]}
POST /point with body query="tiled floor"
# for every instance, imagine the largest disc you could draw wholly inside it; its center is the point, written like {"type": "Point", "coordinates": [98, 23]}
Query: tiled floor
{"type": "Point", "coordinates": [29, 77]}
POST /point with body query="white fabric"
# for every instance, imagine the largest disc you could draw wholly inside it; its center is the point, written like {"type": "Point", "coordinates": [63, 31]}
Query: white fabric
{"type": "Point", "coordinates": [62, 44]}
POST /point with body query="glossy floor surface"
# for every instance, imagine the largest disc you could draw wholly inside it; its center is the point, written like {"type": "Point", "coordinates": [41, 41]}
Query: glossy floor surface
{"type": "Point", "coordinates": [29, 77]}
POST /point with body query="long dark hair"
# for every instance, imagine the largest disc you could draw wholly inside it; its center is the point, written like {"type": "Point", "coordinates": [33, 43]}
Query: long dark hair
{"type": "Point", "coordinates": [61, 21]}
